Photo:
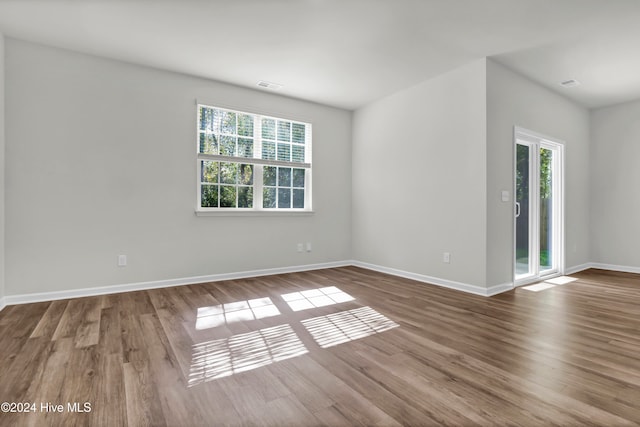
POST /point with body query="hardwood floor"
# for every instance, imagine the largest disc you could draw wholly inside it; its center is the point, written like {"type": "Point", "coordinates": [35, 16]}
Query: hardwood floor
{"type": "Point", "coordinates": [342, 346]}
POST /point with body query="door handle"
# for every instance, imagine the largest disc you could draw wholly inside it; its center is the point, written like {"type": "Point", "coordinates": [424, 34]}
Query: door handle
{"type": "Point", "coordinates": [517, 209]}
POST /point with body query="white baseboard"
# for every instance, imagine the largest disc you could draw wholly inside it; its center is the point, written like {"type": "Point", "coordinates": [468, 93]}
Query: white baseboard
{"type": "Point", "coordinates": [498, 289]}
{"type": "Point", "coordinates": [114, 289]}
{"type": "Point", "coordinates": [613, 267]}
{"type": "Point", "coordinates": [577, 268]}
{"type": "Point", "coordinates": [602, 266]}
{"type": "Point", "coordinates": [459, 286]}
{"type": "Point", "coordinates": [139, 286]}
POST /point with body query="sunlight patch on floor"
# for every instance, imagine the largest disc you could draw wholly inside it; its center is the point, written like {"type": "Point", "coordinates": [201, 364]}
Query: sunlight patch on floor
{"type": "Point", "coordinates": [244, 352]}
{"type": "Point", "coordinates": [537, 287]}
{"type": "Point", "coordinates": [549, 283]}
{"type": "Point", "coordinates": [217, 315]}
{"type": "Point", "coordinates": [561, 280]}
{"type": "Point", "coordinates": [314, 298]}
{"type": "Point", "coordinates": [338, 328]}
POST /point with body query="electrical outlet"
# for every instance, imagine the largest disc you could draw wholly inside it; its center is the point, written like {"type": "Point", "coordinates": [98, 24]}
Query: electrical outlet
{"type": "Point", "coordinates": [308, 246]}
{"type": "Point", "coordinates": [446, 257]}
{"type": "Point", "coordinates": [122, 260]}
{"type": "Point", "coordinates": [300, 247]}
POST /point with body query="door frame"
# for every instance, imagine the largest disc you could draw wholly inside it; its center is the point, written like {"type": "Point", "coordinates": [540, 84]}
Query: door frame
{"type": "Point", "coordinates": [539, 140]}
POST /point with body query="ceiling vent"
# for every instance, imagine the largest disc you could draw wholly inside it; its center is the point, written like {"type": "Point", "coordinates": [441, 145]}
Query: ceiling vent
{"type": "Point", "coordinates": [269, 85]}
{"type": "Point", "coordinates": [570, 83]}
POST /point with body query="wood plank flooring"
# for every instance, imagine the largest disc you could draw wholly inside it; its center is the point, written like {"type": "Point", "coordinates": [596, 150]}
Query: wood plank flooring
{"type": "Point", "coordinates": [336, 347]}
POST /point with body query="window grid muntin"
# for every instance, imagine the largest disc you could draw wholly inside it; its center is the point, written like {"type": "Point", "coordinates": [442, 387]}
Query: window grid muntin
{"type": "Point", "coordinates": [293, 187]}
{"type": "Point", "coordinates": [301, 140]}
{"type": "Point", "coordinates": [243, 183]}
{"type": "Point", "coordinates": [284, 142]}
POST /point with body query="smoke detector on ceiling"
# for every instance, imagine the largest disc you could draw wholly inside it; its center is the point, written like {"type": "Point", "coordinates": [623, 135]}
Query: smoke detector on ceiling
{"type": "Point", "coordinates": [570, 83]}
{"type": "Point", "coordinates": [269, 85]}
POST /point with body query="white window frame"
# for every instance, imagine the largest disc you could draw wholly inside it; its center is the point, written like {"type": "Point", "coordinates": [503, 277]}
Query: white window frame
{"type": "Point", "coordinates": [259, 164]}
{"type": "Point", "coordinates": [536, 141]}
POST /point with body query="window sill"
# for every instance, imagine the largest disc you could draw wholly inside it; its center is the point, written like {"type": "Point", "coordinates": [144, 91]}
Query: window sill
{"type": "Point", "coordinates": [253, 213]}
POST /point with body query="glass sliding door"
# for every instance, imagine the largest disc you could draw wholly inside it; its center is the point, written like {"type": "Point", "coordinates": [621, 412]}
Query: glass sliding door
{"type": "Point", "coordinates": [538, 207]}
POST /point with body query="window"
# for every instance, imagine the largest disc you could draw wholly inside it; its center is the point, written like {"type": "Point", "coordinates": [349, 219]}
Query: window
{"type": "Point", "coordinates": [252, 162]}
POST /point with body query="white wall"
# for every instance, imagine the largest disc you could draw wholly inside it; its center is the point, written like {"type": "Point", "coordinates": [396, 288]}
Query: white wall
{"type": "Point", "coordinates": [514, 100]}
{"type": "Point", "coordinates": [445, 170]}
{"type": "Point", "coordinates": [419, 178]}
{"type": "Point", "coordinates": [2, 167]}
{"type": "Point", "coordinates": [615, 175]}
{"type": "Point", "coordinates": [100, 161]}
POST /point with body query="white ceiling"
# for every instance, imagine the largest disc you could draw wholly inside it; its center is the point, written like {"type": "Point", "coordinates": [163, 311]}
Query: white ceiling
{"type": "Point", "coordinates": [347, 53]}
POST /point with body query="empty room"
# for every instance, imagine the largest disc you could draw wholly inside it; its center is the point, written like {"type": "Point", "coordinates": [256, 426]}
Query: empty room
{"type": "Point", "coordinates": [319, 212]}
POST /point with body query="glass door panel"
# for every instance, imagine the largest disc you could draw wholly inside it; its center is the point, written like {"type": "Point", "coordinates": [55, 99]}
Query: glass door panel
{"type": "Point", "coordinates": [546, 209]}
{"type": "Point", "coordinates": [523, 196]}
